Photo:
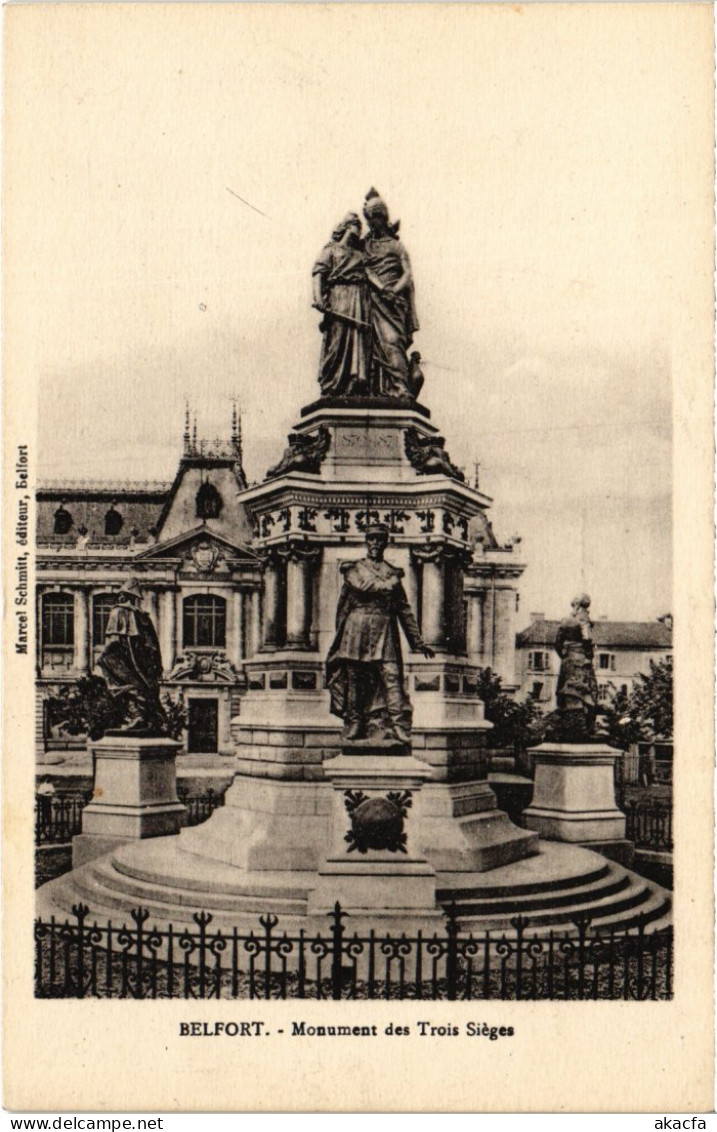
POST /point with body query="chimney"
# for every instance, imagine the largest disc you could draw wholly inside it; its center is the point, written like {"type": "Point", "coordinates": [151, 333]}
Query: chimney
{"type": "Point", "coordinates": [602, 617]}
{"type": "Point", "coordinates": [537, 617]}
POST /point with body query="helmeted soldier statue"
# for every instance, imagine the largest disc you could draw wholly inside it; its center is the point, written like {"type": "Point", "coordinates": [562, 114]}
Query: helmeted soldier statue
{"type": "Point", "coordinates": [364, 667]}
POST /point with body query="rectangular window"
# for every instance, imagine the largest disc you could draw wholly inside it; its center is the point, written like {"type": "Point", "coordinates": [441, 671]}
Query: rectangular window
{"type": "Point", "coordinates": [539, 661]}
{"type": "Point", "coordinates": [204, 622]}
{"type": "Point", "coordinates": [101, 606]}
{"type": "Point", "coordinates": [58, 621]}
{"type": "Point", "coordinates": [606, 661]}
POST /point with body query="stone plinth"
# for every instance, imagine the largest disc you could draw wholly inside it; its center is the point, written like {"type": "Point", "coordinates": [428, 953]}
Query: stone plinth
{"type": "Point", "coordinates": [135, 794]}
{"type": "Point", "coordinates": [461, 829]}
{"type": "Point", "coordinates": [574, 796]}
{"type": "Point", "coordinates": [266, 825]}
{"type": "Point", "coordinates": [374, 862]}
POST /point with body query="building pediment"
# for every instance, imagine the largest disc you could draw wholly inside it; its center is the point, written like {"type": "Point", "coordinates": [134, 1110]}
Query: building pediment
{"type": "Point", "coordinates": [202, 551]}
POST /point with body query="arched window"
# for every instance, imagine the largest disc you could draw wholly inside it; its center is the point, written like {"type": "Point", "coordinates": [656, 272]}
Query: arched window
{"type": "Point", "coordinates": [209, 502]}
{"type": "Point", "coordinates": [58, 621]}
{"type": "Point", "coordinates": [101, 606]}
{"type": "Point", "coordinates": [113, 522]}
{"type": "Point", "coordinates": [204, 621]}
{"type": "Point", "coordinates": [63, 521]}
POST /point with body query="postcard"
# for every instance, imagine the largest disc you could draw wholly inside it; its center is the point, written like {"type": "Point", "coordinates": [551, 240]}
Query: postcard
{"type": "Point", "coordinates": [358, 557]}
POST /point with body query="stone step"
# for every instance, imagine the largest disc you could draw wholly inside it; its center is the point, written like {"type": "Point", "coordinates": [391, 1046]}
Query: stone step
{"type": "Point", "coordinates": [656, 910]}
{"type": "Point", "coordinates": [105, 887]}
{"type": "Point", "coordinates": [488, 891]}
{"type": "Point", "coordinates": [509, 905]}
{"type": "Point", "coordinates": [549, 891]}
{"type": "Point", "coordinates": [617, 904]}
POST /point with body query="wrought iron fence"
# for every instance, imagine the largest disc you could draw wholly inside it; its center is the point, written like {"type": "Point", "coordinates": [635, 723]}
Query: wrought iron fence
{"type": "Point", "coordinates": [649, 824]}
{"type": "Point", "coordinates": [202, 806]}
{"type": "Point", "coordinates": [58, 817]}
{"type": "Point", "coordinates": [80, 958]}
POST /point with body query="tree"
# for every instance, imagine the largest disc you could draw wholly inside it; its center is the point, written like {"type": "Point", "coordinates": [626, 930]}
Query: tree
{"type": "Point", "coordinates": [646, 713]}
{"type": "Point", "coordinates": [516, 724]}
{"type": "Point", "coordinates": [651, 702]}
{"type": "Point", "coordinates": [87, 707]}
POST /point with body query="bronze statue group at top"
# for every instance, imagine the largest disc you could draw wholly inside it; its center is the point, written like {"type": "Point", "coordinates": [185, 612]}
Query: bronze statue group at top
{"type": "Point", "coordinates": [363, 286]}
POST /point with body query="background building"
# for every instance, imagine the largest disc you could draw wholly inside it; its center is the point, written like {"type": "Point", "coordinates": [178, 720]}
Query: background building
{"type": "Point", "coordinates": [188, 544]}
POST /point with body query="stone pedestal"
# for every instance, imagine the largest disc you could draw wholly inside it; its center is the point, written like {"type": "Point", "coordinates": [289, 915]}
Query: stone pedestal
{"type": "Point", "coordinates": [374, 863]}
{"type": "Point", "coordinates": [463, 831]}
{"type": "Point", "coordinates": [574, 796]}
{"type": "Point", "coordinates": [135, 794]}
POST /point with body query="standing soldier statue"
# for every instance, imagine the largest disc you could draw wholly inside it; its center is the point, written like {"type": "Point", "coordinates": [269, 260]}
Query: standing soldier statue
{"type": "Point", "coordinates": [364, 668]}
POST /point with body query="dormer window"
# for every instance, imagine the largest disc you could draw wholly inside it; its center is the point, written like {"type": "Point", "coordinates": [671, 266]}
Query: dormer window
{"type": "Point", "coordinates": [209, 502]}
{"type": "Point", "coordinates": [63, 521]}
{"type": "Point", "coordinates": [113, 522]}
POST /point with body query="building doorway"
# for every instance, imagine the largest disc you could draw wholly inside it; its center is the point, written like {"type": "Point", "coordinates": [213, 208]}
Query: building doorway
{"type": "Point", "coordinates": [203, 727]}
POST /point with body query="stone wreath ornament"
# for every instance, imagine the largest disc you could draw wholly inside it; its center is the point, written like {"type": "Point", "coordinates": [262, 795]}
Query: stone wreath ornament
{"type": "Point", "coordinates": [377, 823]}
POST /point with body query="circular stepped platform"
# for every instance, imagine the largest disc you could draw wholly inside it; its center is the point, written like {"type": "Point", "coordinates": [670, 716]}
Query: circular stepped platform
{"type": "Point", "coordinates": [563, 883]}
{"type": "Point", "coordinates": [550, 890]}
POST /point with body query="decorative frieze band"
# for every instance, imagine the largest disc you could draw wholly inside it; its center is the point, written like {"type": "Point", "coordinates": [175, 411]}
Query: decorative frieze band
{"type": "Point", "coordinates": [340, 520]}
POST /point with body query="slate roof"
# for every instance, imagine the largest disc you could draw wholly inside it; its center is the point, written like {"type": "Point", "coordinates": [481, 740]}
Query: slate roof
{"type": "Point", "coordinates": [637, 635]}
{"type": "Point", "coordinates": [140, 506]}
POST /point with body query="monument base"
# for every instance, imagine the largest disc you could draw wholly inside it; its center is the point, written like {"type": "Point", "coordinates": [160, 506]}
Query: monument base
{"type": "Point", "coordinates": [462, 829]}
{"type": "Point", "coordinates": [574, 796]}
{"type": "Point", "coordinates": [135, 794]}
{"type": "Point", "coordinates": [622, 850]}
{"type": "Point", "coordinates": [374, 862]}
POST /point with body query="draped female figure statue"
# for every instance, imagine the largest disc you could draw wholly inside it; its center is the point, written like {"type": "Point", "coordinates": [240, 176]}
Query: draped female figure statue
{"type": "Point", "coordinates": [340, 292]}
{"type": "Point", "coordinates": [577, 693]}
{"type": "Point", "coordinates": [364, 289]}
{"type": "Point", "coordinates": [393, 304]}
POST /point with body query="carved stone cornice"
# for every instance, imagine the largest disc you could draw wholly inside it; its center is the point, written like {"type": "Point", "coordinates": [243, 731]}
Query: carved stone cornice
{"type": "Point", "coordinates": [440, 552]}
{"type": "Point", "coordinates": [298, 552]}
{"type": "Point", "coordinates": [487, 573]}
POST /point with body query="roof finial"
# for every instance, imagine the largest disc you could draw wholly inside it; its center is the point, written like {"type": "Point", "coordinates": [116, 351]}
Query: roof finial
{"type": "Point", "coordinates": [186, 427]}
{"type": "Point", "coordinates": [237, 444]}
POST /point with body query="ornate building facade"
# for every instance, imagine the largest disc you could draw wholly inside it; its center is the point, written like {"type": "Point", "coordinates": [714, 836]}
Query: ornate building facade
{"type": "Point", "coordinates": [188, 543]}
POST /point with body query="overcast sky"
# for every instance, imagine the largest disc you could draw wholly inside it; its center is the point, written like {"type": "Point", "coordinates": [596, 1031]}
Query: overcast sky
{"type": "Point", "coordinates": [535, 164]}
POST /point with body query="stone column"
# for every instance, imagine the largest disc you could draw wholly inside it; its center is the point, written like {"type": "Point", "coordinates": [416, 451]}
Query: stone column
{"type": "Point", "coordinates": [299, 565]}
{"type": "Point", "coordinates": [238, 600]}
{"type": "Point", "coordinates": [474, 626]}
{"type": "Point", "coordinates": [232, 637]}
{"type": "Point", "coordinates": [488, 626]}
{"type": "Point", "coordinates": [272, 599]}
{"type": "Point", "coordinates": [254, 623]}
{"type": "Point", "coordinates": [178, 623]}
{"type": "Point", "coordinates": [152, 602]}
{"type": "Point", "coordinates": [410, 583]}
{"type": "Point", "coordinates": [433, 597]}
{"type": "Point", "coordinates": [504, 635]}
{"type": "Point", "coordinates": [167, 628]}
{"type": "Point", "coordinates": [81, 655]}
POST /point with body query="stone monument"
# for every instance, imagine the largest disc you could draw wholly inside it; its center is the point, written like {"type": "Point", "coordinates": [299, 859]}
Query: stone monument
{"type": "Point", "coordinates": [361, 767]}
{"type": "Point", "coordinates": [135, 783]}
{"type": "Point", "coordinates": [574, 795]}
